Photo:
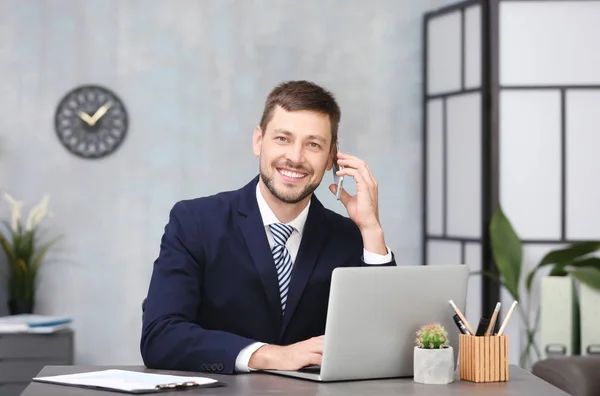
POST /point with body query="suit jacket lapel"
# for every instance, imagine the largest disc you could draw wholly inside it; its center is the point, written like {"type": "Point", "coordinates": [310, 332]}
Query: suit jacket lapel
{"type": "Point", "coordinates": [314, 235]}
{"type": "Point", "coordinates": [252, 227]}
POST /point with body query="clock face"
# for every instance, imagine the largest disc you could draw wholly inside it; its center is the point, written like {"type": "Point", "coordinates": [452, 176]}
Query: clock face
{"type": "Point", "coordinates": [91, 121]}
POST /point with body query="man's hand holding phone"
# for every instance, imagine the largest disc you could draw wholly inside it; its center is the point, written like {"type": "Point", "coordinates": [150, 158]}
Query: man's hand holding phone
{"type": "Point", "coordinates": [363, 208]}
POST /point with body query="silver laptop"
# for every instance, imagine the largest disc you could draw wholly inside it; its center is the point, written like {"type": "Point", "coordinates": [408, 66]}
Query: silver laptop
{"type": "Point", "coordinates": [374, 314]}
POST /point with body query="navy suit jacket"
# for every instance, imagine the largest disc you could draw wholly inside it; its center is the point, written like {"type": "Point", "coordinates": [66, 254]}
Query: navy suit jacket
{"type": "Point", "coordinates": [214, 288]}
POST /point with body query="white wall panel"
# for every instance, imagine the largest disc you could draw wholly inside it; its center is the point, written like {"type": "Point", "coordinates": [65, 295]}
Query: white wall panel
{"type": "Point", "coordinates": [549, 42]}
{"type": "Point", "coordinates": [464, 165]}
{"type": "Point", "coordinates": [473, 260]}
{"type": "Point", "coordinates": [530, 166]}
{"type": "Point", "coordinates": [473, 47]}
{"type": "Point", "coordinates": [444, 53]}
{"type": "Point", "coordinates": [443, 252]}
{"type": "Point", "coordinates": [435, 167]}
{"type": "Point", "coordinates": [583, 164]}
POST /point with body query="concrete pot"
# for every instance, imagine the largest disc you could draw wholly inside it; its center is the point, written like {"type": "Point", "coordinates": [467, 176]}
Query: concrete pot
{"type": "Point", "coordinates": [434, 366]}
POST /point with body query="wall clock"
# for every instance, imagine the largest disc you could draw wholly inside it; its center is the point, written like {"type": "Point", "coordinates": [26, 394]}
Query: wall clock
{"type": "Point", "coordinates": [91, 121]}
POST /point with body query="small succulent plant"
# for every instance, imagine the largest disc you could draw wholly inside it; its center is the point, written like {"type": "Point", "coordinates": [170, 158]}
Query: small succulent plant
{"type": "Point", "coordinates": [432, 336]}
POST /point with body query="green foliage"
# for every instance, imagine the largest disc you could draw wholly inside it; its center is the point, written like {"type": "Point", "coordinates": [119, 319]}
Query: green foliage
{"type": "Point", "coordinates": [23, 248]}
{"type": "Point", "coordinates": [432, 336]}
{"type": "Point", "coordinates": [507, 252]}
{"type": "Point", "coordinates": [25, 255]}
{"type": "Point", "coordinates": [572, 260]}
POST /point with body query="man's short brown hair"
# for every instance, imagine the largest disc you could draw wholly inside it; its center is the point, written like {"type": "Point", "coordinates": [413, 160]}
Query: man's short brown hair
{"type": "Point", "coordinates": [302, 95]}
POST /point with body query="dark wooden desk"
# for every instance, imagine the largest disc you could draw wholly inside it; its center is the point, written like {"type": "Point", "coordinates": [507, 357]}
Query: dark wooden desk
{"type": "Point", "coordinates": [521, 383]}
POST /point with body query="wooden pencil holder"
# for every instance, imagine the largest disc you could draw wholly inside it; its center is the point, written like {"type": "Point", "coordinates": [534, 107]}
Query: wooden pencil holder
{"type": "Point", "coordinates": [483, 359]}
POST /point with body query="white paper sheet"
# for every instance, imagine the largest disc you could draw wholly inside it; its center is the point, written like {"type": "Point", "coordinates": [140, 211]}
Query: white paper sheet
{"type": "Point", "coordinates": [122, 380]}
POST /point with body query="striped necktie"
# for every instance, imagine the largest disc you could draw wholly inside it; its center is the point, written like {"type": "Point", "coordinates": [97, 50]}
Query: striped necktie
{"type": "Point", "coordinates": [282, 258]}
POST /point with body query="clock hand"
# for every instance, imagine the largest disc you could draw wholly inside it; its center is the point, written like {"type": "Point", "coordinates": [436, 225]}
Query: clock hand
{"type": "Point", "coordinates": [86, 118]}
{"type": "Point", "coordinates": [100, 112]}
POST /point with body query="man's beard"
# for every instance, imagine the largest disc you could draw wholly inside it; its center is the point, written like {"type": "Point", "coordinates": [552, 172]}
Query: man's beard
{"type": "Point", "coordinates": [290, 198]}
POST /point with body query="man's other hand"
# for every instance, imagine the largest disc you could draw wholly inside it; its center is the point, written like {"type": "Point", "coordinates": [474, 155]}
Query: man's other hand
{"type": "Point", "coordinates": [291, 357]}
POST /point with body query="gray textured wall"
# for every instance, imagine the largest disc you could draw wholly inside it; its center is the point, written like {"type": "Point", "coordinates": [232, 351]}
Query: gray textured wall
{"type": "Point", "coordinates": [193, 75]}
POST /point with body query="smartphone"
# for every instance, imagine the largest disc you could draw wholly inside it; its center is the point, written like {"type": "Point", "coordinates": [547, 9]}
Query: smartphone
{"type": "Point", "coordinates": [338, 180]}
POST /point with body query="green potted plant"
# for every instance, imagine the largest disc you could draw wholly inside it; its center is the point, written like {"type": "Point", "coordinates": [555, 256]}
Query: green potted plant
{"type": "Point", "coordinates": [433, 360]}
{"type": "Point", "coordinates": [25, 253]}
{"type": "Point", "coordinates": [574, 260]}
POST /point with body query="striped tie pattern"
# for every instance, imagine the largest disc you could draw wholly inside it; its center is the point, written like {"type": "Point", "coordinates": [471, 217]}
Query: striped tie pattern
{"type": "Point", "coordinates": [282, 258]}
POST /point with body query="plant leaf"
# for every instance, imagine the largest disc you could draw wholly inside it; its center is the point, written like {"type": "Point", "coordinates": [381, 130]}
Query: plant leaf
{"type": "Point", "coordinates": [562, 257]}
{"type": "Point", "coordinates": [42, 252]}
{"type": "Point", "coordinates": [570, 253]}
{"type": "Point", "coordinates": [507, 251]}
{"type": "Point", "coordinates": [20, 265]}
{"type": "Point", "coordinates": [7, 248]}
{"type": "Point", "coordinates": [587, 275]}
{"type": "Point", "coordinates": [559, 270]}
{"type": "Point", "coordinates": [529, 279]}
{"type": "Point", "coordinates": [592, 261]}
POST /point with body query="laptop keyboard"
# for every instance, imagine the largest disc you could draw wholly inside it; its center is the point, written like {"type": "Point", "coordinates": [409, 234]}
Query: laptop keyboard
{"type": "Point", "coordinates": [311, 369]}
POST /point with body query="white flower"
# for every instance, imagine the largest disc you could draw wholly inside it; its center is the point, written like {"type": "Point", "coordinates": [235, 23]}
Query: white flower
{"type": "Point", "coordinates": [38, 213]}
{"type": "Point", "coordinates": [15, 208]}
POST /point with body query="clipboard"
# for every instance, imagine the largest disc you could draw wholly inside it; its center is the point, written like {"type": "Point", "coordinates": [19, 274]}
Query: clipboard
{"type": "Point", "coordinates": [131, 382]}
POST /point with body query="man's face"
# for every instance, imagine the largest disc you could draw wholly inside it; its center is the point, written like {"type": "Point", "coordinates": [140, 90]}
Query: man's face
{"type": "Point", "coordinates": [294, 153]}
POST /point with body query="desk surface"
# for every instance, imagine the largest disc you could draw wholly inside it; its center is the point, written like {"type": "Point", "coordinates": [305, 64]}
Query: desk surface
{"type": "Point", "coordinates": [521, 383]}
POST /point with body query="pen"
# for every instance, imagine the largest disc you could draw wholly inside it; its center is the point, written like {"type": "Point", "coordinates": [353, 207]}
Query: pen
{"type": "Point", "coordinates": [461, 325]}
{"type": "Point", "coordinates": [460, 315]}
{"type": "Point", "coordinates": [482, 326]}
{"type": "Point", "coordinates": [493, 320]}
{"type": "Point", "coordinates": [510, 311]}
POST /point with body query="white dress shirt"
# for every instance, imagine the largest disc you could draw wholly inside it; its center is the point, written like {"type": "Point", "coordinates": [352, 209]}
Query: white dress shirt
{"type": "Point", "coordinates": [292, 245]}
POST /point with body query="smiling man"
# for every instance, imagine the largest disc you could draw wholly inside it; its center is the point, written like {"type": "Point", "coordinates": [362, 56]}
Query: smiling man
{"type": "Point", "coordinates": [242, 279]}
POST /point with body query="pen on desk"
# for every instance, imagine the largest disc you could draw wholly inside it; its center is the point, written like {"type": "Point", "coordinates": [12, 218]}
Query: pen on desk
{"type": "Point", "coordinates": [510, 311]}
{"type": "Point", "coordinates": [460, 315]}
{"type": "Point", "coordinates": [493, 320]}
{"type": "Point", "coordinates": [461, 325]}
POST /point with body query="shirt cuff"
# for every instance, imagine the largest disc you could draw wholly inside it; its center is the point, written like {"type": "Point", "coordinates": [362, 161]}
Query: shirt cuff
{"type": "Point", "coordinates": [241, 362]}
{"type": "Point", "coordinates": [374, 258]}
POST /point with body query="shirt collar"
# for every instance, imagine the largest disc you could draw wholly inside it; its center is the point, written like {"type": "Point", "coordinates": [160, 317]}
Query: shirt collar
{"type": "Point", "coordinates": [269, 217]}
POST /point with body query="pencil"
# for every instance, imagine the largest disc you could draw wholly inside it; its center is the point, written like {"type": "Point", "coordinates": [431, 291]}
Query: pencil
{"type": "Point", "coordinates": [460, 315]}
{"type": "Point", "coordinates": [510, 311]}
{"type": "Point", "coordinates": [493, 320]}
